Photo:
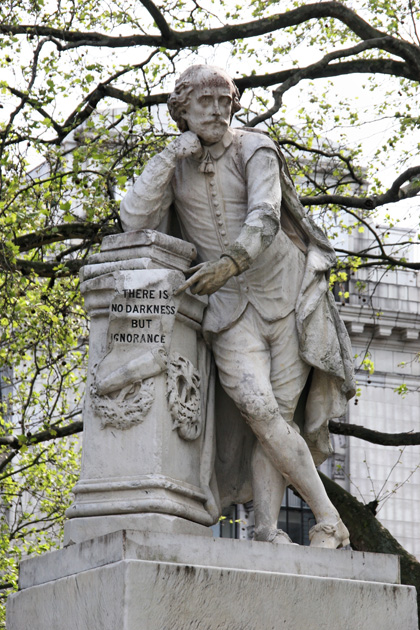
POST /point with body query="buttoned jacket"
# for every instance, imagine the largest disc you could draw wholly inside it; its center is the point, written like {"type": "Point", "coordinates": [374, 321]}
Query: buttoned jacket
{"type": "Point", "coordinates": [230, 196]}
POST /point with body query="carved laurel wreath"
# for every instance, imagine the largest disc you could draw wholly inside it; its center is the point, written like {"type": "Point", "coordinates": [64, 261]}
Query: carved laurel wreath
{"type": "Point", "coordinates": [127, 407]}
{"type": "Point", "coordinates": [183, 392]}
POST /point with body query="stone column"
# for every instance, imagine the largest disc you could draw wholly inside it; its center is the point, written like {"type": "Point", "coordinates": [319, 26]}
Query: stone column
{"type": "Point", "coordinates": [146, 393]}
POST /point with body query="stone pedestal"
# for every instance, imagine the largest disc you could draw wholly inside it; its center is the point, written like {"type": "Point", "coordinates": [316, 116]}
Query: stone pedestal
{"type": "Point", "coordinates": [132, 580]}
{"type": "Point", "coordinates": [146, 393]}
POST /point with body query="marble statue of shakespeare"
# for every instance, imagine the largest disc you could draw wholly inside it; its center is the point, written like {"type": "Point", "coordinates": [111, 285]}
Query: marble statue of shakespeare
{"type": "Point", "coordinates": [281, 350]}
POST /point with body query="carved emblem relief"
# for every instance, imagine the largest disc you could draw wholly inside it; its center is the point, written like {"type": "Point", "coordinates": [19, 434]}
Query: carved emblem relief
{"type": "Point", "coordinates": [123, 396]}
{"type": "Point", "coordinates": [183, 391]}
{"type": "Point", "coordinates": [127, 407]}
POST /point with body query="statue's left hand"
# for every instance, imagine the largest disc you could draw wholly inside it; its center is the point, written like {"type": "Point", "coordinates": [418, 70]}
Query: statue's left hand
{"type": "Point", "coordinates": [209, 276]}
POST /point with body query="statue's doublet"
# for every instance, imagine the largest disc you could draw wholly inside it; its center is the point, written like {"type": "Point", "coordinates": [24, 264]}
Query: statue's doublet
{"type": "Point", "coordinates": [241, 186]}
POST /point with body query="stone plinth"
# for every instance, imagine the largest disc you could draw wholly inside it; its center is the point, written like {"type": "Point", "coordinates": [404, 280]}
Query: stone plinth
{"type": "Point", "coordinates": [146, 392]}
{"type": "Point", "coordinates": [146, 581]}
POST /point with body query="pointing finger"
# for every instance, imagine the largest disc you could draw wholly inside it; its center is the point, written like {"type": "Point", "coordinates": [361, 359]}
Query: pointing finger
{"type": "Point", "coordinates": [186, 284]}
{"type": "Point", "coordinates": [181, 289]}
{"type": "Point", "coordinates": [194, 269]}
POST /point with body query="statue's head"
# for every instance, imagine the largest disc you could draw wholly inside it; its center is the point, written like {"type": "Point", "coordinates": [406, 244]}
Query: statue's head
{"type": "Point", "coordinates": [204, 101]}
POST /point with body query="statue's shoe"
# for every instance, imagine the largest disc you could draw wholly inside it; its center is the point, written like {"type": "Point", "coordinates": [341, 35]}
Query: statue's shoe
{"type": "Point", "coordinates": [273, 535]}
{"type": "Point", "coordinates": [329, 536]}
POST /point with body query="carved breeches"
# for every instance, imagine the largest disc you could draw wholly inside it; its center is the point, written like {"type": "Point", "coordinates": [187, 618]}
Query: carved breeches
{"type": "Point", "coordinates": [260, 368]}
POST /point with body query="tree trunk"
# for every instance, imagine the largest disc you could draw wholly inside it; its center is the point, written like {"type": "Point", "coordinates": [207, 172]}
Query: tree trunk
{"type": "Point", "coordinates": [367, 533]}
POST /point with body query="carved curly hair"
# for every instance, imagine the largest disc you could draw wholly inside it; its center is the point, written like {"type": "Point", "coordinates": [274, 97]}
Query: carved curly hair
{"type": "Point", "coordinates": [187, 82]}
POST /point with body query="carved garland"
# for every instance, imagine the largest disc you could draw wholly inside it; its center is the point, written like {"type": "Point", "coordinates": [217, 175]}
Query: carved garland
{"type": "Point", "coordinates": [183, 392]}
{"type": "Point", "coordinates": [127, 407]}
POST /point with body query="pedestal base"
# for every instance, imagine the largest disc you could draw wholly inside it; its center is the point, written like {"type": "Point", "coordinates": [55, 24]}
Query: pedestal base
{"type": "Point", "coordinates": [145, 581]}
{"type": "Point", "coordinates": [78, 530]}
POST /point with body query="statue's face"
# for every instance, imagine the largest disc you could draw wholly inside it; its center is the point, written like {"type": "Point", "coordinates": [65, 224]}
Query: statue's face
{"type": "Point", "coordinates": [209, 111]}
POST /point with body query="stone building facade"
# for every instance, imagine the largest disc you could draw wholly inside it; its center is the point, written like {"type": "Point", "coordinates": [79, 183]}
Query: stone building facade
{"type": "Point", "coordinates": [382, 315]}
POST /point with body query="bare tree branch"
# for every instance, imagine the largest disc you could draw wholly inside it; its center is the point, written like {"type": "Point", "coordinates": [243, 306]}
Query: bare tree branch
{"type": "Point", "coordinates": [327, 154]}
{"type": "Point", "coordinates": [102, 90]}
{"type": "Point", "coordinates": [413, 19]}
{"type": "Point", "coordinates": [42, 436]}
{"type": "Point", "coordinates": [392, 195]}
{"type": "Point", "coordinates": [35, 104]}
{"type": "Point", "coordinates": [4, 133]}
{"type": "Point", "coordinates": [6, 458]}
{"type": "Point", "coordinates": [137, 101]}
{"type": "Point", "coordinates": [40, 268]}
{"type": "Point", "coordinates": [305, 73]}
{"type": "Point", "coordinates": [383, 256]}
{"type": "Point", "coordinates": [93, 232]}
{"type": "Point", "coordinates": [177, 40]}
{"type": "Point", "coordinates": [161, 23]}
{"type": "Point", "coordinates": [377, 260]}
{"type": "Point", "coordinates": [355, 66]}
{"type": "Point", "coordinates": [375, 437]}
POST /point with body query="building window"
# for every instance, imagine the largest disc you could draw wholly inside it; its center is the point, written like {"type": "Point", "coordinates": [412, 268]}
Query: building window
{"type": "Point", "coordinates": [227, 526]}
{"type": "Point", "coordinates": [296, 518]}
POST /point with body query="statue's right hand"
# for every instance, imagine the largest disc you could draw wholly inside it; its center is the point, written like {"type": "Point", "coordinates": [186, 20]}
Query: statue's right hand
{"type": "Point", "coordinates": [187, 144]}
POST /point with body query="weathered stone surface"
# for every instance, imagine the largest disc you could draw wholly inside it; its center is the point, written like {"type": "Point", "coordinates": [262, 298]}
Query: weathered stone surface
{"type": "Point", "coordinates": [78, 530]}
{"type": "Point", "coordinates": [161, 250]}
{"type": "Point", "coordinates": [122, 581]}
{"type": "Point", "coordinates": [146, 393]}
{"type": "Point", "coordinates": [208, 551]}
